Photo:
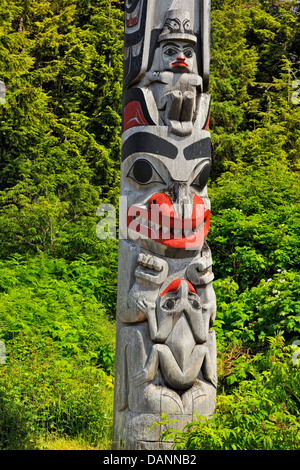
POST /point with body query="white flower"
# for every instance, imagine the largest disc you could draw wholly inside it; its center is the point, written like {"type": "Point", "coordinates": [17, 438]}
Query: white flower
{"type": "Point", "coordinates": [279, 270]}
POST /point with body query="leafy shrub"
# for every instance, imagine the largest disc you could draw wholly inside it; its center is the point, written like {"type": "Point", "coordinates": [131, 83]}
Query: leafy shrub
{"type": "Point", "coordinates": [259, 414]}
{"type": "Point", "coordinates": [254, 227]}
{"type": "Point", "coordinates": [59, 300]}
{"type": "Point", "coordinates": [42, 391]}
{"type": "Point", "coordinates": [271, 307]}
{"type": "Point", "coordinates": [58, 376]}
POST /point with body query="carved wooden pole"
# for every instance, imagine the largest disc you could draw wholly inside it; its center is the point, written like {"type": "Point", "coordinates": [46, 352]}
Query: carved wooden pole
{"type": "Point", "coordinates": [166, 351]}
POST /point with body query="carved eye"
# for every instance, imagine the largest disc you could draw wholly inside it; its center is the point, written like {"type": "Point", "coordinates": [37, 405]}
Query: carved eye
{"type": "Point", "coordinates": [143, 172]}
{"type": "Point", "coordinates": [188, 52]}
{"type": "Point", "coordinates": [170, 51]}
{"type": "Point", "coordinates": [173, 23]}
{"type": "Point", "coordinates": [196, 304]}
{"type": "Point", "coordinates": [201, 179]}
{"type": "Point", "coordinates": [169, 304]}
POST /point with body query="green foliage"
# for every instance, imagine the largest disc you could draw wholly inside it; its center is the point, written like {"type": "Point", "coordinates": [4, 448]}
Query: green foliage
{"type": "Point", "coordinates": [263, 311]}
{"type": "Point", "coordinates": [253, 65]}
{"type": "Point", "coordinates": [259, 414]}
{"type": "Point", "coordinates": [255, 222]}
{"type": "Point", "coordinates": [61, 125]}
{"type": "Point", "coordinates": [60, 342]}
{"type": "Point", "coordinates": [44, 392]}
{"type": "Point", "coordinates": [60, 136]}
{"type": "Point", "coordinates": [58, 300]}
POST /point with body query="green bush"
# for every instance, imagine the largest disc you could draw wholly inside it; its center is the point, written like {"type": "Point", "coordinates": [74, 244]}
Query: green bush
{"type": "Point", "coordinates": [259, 414]}
{"type": "Point", "coordinates": [60, 342]}
{"type": "Point", "coordinates": [265, 310]}
{"type": "Point", "coordinates": [255, 222]}
{"type": "Point", "coordinates": [42, 392]}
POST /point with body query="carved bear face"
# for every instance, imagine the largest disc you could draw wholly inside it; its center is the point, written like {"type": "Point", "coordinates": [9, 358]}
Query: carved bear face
{"type": "Point", "coordinates": [167, 208]}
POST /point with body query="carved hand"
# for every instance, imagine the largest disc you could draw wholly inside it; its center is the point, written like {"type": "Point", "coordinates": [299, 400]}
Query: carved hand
{"type": "Point", "coordinates": [147, 307]}
{"type": "Point", "coordinates": [141, 377]}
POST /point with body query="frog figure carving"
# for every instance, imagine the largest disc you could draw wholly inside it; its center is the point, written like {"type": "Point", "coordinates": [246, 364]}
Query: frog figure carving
{"type": "Point", "coordinates": [179, 329]}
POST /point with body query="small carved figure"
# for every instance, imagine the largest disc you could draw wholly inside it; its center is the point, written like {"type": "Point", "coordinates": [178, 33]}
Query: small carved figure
{"type": "Point", "coordinates": [173, 77]}
{"type": "Point", "coordinates": [177, 324]}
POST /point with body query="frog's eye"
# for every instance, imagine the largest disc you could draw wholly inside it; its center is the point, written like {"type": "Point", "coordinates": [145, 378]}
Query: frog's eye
{"type": "Point", "coordinates": [169, 304]}
{"type": "Point", "coordinates": [195, 304]}
{"type": "Point", "coordinates": [143, 172]}
{"type": "Point", "coordinates": [201, 179]}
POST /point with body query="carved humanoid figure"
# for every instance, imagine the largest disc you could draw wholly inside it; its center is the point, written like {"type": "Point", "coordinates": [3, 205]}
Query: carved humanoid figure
{"type": "Point", "coordinates": [173, 77]}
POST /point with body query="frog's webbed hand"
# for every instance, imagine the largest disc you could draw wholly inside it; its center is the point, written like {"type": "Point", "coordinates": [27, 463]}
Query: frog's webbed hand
{"type": "Point", "coordinates": [147, 307]}
{"type": "Point", "coordinates": [141, 377]}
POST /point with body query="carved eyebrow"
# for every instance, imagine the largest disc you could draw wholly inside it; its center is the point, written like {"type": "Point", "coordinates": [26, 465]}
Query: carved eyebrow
{"type": "Point", "coordinates": [199, 149]}
{"type": "Point", "coordinates": [173, 44]}
{"type": "Point", "coordinates": [144, 142]}
{"type": "Point", "coordinates": [168, 44]}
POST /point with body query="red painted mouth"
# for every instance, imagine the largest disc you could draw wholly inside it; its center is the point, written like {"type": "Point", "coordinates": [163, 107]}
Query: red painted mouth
{"type": "Point", "coordinates": [160, 222]}
{"type": "Point", "coordinates": [180, 63]}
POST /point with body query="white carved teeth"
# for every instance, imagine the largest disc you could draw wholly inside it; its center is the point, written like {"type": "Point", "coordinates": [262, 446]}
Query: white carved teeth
{"type": "Point", "coordinates": [165, 230]}
{"type": "Point", "coordinates": [177, 231]}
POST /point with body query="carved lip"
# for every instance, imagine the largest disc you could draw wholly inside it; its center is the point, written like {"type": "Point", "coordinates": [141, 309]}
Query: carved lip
{"type": "Point", "coordinates": [180, 63]}
{"type": "Point", "coordinates": [164, 226]}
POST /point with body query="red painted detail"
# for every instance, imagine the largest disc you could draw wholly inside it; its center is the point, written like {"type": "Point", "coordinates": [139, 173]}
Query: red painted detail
{"type": "Point", "coordinates": [133, 18]}
{"type": "Point", "coordinates": [133, 115]}
{"type": "Point", "coordinates": [174, 286]}
{"type": "Point", "coordinates": [180, 63]}
{"type": "Point", "coordinates": [131, 21]}
{"type": "Point", "coordinates": [162, 213]}
{"type": "Point", "coordinates": [207, 124]}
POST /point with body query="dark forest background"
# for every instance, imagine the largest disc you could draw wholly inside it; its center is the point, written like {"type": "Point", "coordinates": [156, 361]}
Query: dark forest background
{"type": "Point", "coordinates": [60, 134]}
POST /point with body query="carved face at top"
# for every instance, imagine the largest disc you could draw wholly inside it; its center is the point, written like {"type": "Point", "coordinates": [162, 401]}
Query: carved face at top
{"type": "Point", "coordinates": [177, 56]}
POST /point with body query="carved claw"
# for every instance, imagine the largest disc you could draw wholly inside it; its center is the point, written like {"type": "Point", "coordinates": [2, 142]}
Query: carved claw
{"type": "Point", "coordinates": [199, 272]}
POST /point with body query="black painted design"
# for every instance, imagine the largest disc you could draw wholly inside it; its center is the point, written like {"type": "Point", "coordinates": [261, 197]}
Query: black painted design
{"type": "Point", "coordinates": [136, 94]}
{"type": "Point", "coordinates": [199, 149]}
{"type": "Point", "coordinates": [143, 142]}
{"type": "Point", "coordinates": [201, 179]}
{"type": "Point", "coordinates": [143, 172]}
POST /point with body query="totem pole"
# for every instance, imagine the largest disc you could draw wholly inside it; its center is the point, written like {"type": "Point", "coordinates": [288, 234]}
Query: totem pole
{"type": "Point", "coordinates": [166, 351]}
